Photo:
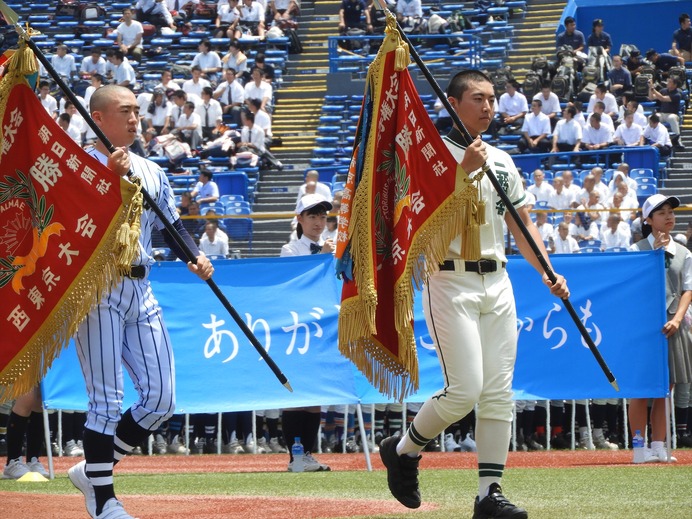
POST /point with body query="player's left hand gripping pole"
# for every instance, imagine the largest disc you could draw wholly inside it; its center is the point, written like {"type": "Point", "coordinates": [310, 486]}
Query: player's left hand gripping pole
{"type": "Point", "coordinates": [505, 199]}
{"type": "Point", "coordinates": [12, 18]}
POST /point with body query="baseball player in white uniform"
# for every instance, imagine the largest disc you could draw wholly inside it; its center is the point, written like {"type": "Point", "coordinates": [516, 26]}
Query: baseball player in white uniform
{"type": "Point", "coordinates": [470, 312]}
{"type": "Point", "coordinates": [127, 327]}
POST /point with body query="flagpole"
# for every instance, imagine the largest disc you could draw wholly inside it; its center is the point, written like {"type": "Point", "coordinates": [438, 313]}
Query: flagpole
{"type": "Point", "coordinates": [12, 18]}
{"type": "Point", "coordinates": [505, 199]}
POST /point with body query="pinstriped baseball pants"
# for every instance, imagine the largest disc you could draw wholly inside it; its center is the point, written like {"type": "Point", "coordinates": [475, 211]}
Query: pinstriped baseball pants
{"type": "Point", "coordinates": [127, 329]}
{"type": "Point", "coordinates": [472, 319]}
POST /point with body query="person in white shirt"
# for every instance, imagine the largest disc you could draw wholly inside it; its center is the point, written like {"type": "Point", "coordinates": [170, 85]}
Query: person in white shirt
{"type": "Point", "coordinates": [251, 19]}
{"type": "Point", "coordinates": [568, 132]}
{"type": "Point", "coordinates": [601, 94]}
{"type": "Point", "coordinates": [550, 103]}
{"type": "Point", "coordinates": [207, 60]}
{"type": "Point", "coordinates": [540, 188]}
{"type": "Point", "coordinates": [632, 106]}
{"type": "Point", "coordinates": [584, 229]}
{"type": "Point", "coordinates": [251, 136]}
{"type": "Point", "coordinates": [76, 120]}
{"type": "Point", "coordinates": [235, 59]}
{"type": "Point", "coordinates": [321, 188]}
{"type": "Point", "coordinates": [545, 229]}
{"type": "Point", "coordinates": [96, 83]}
{"type": "Point", "coordinates": [563, 243]}
{"type": "Point", "coordinates": [513, 106]}
{"type": "Point", "coordinates": [570, 185]}
{"type": "Point", "coordinates": [129, 36]}
{"type": "Point", "coordinates": [64, 64]}
{"type": "Point", "coordinates": [655, 134]}
{"type": "Point", "coordinates": [206, 190]}
{"type": "Point", "coordinates": [622, 173]}
{"type": "Point", "coordinates": [227, 18]}
{"type": "Point", "coordinates": [93, 64]}
{"type": "Point", "coordinates": [214, 242]}
{"type": "Point", "coordinates": [615, 233]}
{"type": "Point", "coordinates": [284, 9]}
{"type": "Point", "coordinates": [123, 73]}
{"type": "Point", "coordinates": [158, 113]}
{"type": "Point", "coordinates": [47, 101]}
{"type": "Point", "coordinates": [258, 89]}
{"type": "Point", "coordinates": [72, 131]}
{"type": "Point", "coordinates": [156, 13]}
{"type": "Point", "coordinates": [188, 127]}
{"type": "Point", "coordinates": [263, 120]}
{"type": "Point", "coordinates": [168, 84]}
{"type": "Point", "coordinates": [599, 185]}
{"type": "Point", "coordinates": [599, 108]}
{"type": "Point", "coordinates": [627, 206]}
{"type": "Point", "coordinates": [596, 136]}
{"type": "Point", "coordinates": [629, 133]}
{"type": "Point", "coordinates": [197, 83]}
{"type": "Point", "coordinates": [535, 130]}
{"type": "Point", "coordinates": [561, 198]}
{"type": "Point", "coordinates": [231, 95]}
{"type": "Point", "coordinates": [210, 113]}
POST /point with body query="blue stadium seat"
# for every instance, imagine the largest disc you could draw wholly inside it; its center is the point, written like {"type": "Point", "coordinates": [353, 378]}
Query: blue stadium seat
{"type": "Point", "coordinates": [225, 199]}
{"type": "Point", "coordinates": [637, 173]}
{"type": "Point", "coordinates": [590, 243]}
{"type": "Point", "coordinates": [589, 250]}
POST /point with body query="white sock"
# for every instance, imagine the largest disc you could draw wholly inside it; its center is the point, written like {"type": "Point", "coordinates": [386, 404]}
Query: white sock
{"type": "Point", "coordinates": [425, 426]}
{"type": "Point", "coordinates": [492, 440]}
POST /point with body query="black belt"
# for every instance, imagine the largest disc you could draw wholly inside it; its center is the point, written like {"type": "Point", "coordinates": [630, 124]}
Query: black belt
{"type": "Point", "coordinates": [482, 266]}
{"type": "Point", "coordinates": [138, 272]}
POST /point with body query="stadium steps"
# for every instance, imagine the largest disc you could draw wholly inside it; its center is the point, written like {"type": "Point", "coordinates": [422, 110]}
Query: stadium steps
{"type": "Point", "coordinates": [678, 181]}
{"type": "Point", "coordinates": [534, 35]}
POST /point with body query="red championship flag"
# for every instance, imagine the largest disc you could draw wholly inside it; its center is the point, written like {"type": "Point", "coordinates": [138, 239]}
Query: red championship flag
{"type": "Point", "coordinates": [405, 199]}
{"type": "Point", "coordinates": [63, 217]}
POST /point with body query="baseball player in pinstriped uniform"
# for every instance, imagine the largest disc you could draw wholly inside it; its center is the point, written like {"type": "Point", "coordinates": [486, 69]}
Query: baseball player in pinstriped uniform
{"type": "Point", "coordinates": [127, 326]}
{"type": "Point", "coordinates": [470, 312]}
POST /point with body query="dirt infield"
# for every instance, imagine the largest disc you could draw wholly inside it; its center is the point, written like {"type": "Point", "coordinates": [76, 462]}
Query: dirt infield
{"type": "Point", "coordinates": [236, 507]}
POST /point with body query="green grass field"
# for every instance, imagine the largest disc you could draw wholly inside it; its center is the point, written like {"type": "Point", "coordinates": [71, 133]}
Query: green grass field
{"type": "Point", "coordinates": [631, 492]}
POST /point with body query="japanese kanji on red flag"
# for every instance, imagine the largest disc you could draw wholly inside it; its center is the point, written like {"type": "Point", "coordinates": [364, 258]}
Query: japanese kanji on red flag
{"type": "Point", "coordinates": [405, 199]}
{"type": "Point", "coordinates": [64, 221]}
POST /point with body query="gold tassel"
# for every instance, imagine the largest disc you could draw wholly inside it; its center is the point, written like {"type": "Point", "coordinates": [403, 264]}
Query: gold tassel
{"type": "Point", "coordinates": [481, 205]}
{"type": "Point", "coordinates": [127, 239]}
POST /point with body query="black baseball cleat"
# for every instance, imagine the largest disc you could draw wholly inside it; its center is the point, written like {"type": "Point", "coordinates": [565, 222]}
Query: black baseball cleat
{"type": "Point", "coordinates": [497, 506]}
{"type": "Point", "coordinates": [402, 473]}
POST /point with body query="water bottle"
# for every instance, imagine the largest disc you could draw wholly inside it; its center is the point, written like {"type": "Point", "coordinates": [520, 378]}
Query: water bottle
{"type": "Point", "coordinates": [638, 447]}
{"type": "Point", "coordinates": [297, 452]}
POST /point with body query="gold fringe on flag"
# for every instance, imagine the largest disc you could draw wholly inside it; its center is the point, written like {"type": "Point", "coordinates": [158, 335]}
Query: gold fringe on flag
{"type": "Point", "coordinates": [102, 272]}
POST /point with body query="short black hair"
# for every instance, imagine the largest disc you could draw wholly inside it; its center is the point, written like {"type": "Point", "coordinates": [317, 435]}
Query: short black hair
{"type": "Point", "coordinates": [683, 17]}
{"type": "Point", "coordinates": [569, 20]}
{"type": "Point", "coordinates": [461, 81]}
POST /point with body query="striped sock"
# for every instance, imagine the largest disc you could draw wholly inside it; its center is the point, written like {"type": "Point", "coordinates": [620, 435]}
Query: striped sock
{"type": "Point", "coordinates": [425, 426]}
{"type": "Point", "coordinates": [127, 436]}
{"type": "Point", "coordinates": [98, 453]}
{"type": "Point", "coordinates": [492, 440]}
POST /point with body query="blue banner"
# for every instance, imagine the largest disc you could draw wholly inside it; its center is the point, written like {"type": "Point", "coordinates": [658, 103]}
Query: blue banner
{"type": "Point", "coordinates": [291, 304]}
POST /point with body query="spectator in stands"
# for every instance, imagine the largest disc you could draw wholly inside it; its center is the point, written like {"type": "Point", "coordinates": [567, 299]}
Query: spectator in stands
{"type": "Point", "coordinates": [535, 131]}
{"type": "Point", "coordinates": [598, 37]}
{"type": "Point", "coordinates": [322, 189]}
{"type": "Point", "coordinates": [669, 99]}
{"type": "Point", "coordinates": [633, 106]}
{"type": "Point", "coordinates": [71, 130]}
{"type": "Point", "coordinates": [262, 120]}
{"type": "Point", "coordinates": [258, 89]}
{"type": "Point", "coordinates": [336, 201]}
{"type": "Point", "coordinates": [563, 243]}
{"type": "Point", "coordinates": [629, 196]}
{"type": "Point", "coordinates": [629, 133]}
{"type": "Point", "coordinates": [682, 39]}
{"type": "Point", "coordinates": [208, 61]}
{"type": "Point", "coordinates": [634, 63]}
{"type": "Point", "coordinates": [210, 113]}
{"type": "Point", "coordinates": [123, 73]}
{"type": "Point", "coordinates": [188, 127]}
{"type": "Point", "coordinates": [596, 208]}
{"type": "Point", "coordinates": [231, 95]}
{"type": "Point", "coordinates": [235, 59]}
{"type": "Point", "coordinates": [76, 119]}
{"type": "Point", "coordinates": [168, 84]}
{"type": "Point", "coordinates": [64, 64]}
{"type": "Point", "coordinates": [156, 13]}
{"type": "Point", "coordinates": [599, 108]}
{"type": "Point", "coordinates": [409, 13]}
{"type": "Point", "coordinates": [599, 184]}
{"type": "Point", "coordinates": [627, 207]}
{"type": "Point", "coordinates": [206, 190]}
{"type": "Point", "coordinates": [550, 103]}
{"type": "Point", "coordinates": [664, 61]}
{"type": "Point", "coordinates": [251, 135]}
{"type": "Point", "coordinates": [129, 36]}
{"type": "Point", "coordinates": [330, 230]}
{"type": "Point", "coordinates": [561, 198]}
{"type": "Point", "coordinates": [227, 18]}
{"type": "Point", "coordinates": [158, 114]}
{"type": "Point", "coordinates": [93, 64]}
{"type": "Point", "coordinates": [596, 136]}
{"type": "Point", "coordinates": [196, 83]}
{"type": "Point", "coordinates": [622, 173]}
{"type": "Point", "coordinates": [619, 78]}
{"type": "Point", "coordinates": [545, 229]}
{"type": "Point", "coordinates": [568, 133]}
{"type": "Point", "coordinates": [655, 134]}
{"type": "Point", "coordinates": [584, 229]}
{"type": "Point", "coordinates": [284, 9]}
{"type": "Point", "coordinates": [540, 188]}
{"type": "Point", "coordinates": [268, 73]}
{"type": "Point", "coordinates": [351, 16]}
{"type": "Point", "coordinates": [251, 20]}
{"type": "Point", "coordinates": [96, 81]}
{"type": "Point", "coordinates": [214, 242]}
{"type": "Point", "coordinates": [513, 107]}
{"type": "Point", "coordinates": [570, 185]}
{"type": "Point", "coordinates": [572, 37]}
{"type": "Point", "coordinates": [304, 422]}
{"type": "Point", "coordinates": [601, 94]}
{"type": "Point", "coordinates": [192, 223]}
{"type": "Point", "coordinates": [184, 205]}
